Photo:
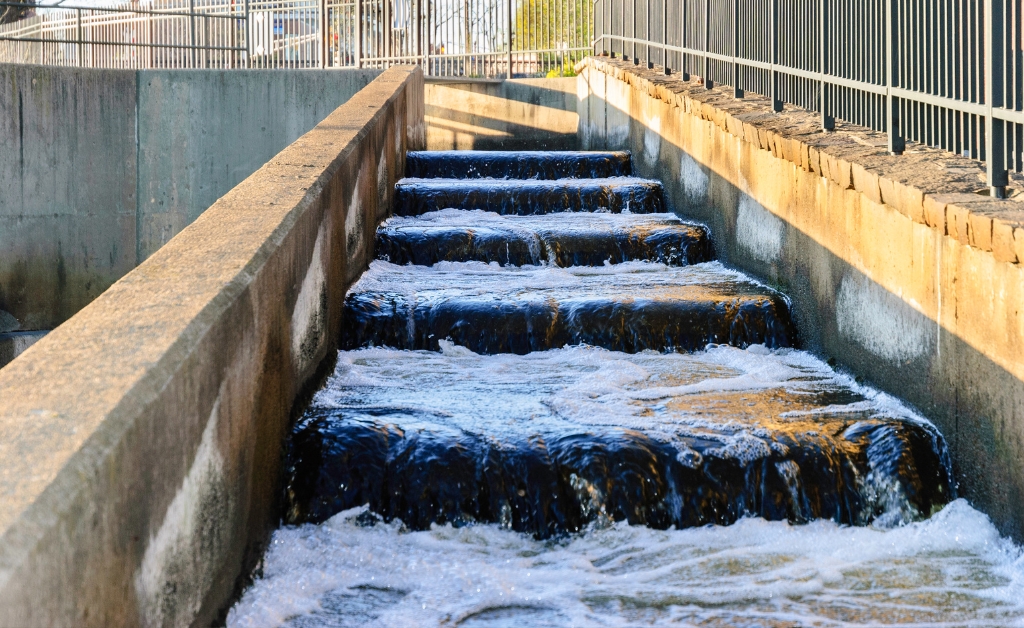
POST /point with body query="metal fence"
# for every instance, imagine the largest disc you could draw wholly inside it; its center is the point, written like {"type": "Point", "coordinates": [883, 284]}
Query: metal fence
{"type": "Point", "coordinates": [946, 73]}
{"type": "Point", "coordinates": [466, 38]}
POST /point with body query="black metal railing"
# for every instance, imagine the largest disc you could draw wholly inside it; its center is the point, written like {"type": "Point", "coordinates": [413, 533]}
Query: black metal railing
{"type": "Point", "coordinates": [946, 73]}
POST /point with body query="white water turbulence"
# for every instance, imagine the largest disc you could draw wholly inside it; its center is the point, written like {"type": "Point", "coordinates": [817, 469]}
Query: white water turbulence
{"type": "Point", "coordinates": [354, 569]}
{"type": "Point", "coordinates": [950, 570]}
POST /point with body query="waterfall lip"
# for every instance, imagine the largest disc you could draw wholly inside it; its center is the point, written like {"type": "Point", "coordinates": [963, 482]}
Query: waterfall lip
{"type": "Point", "coordinates": [530, 184]}
{"type": "Point", "coordinates": [714, 418]}
{"type": "Point", "coordinates": [530, 196]}
{"type": "Point", "coordinates": [518, 164]}
{"type": "Point", "coordinates": [630, 306]}
{"type": "Point", "coordinates": [454, 235]}
{"type": "Point", "coordinates": [633, 279]}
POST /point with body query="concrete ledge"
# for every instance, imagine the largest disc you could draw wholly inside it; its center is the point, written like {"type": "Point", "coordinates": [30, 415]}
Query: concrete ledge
{"type": "Point", "coordinates": [140, 442]}
{"type": "Point", "coordinates": [897, 267]}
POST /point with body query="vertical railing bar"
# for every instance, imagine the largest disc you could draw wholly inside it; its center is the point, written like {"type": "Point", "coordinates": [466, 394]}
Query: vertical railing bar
{"type": "Point", "coordinates": [647, 35]}
{"type": "Point", "coordinates": [708, 83]}
{"type": "Point", "coordinates": [774, 51]}
{"type": "Point", "coordinates": [79, 49]}
{"type": "Point", "coordinates": [995, 130]}
{"type": "Point", "coordinates": [632, 19]}
{"type": "Point", "coordinates": [737, 91]}
{"type": "Point", "coordinates": [508, 37]}
{"type": "Point", "coordinates": [665, 37]}
{"type": "Point", "coordinates": [357, 48]}
{"type": "Point", "coordinates": [828, 122]}
{"type": "Point", "coordinates": [192, 31]}
{"type": "Point", "coordinates": [684, 61]}
{"type": "Point", "coordinates": [321, 36]}
{"type": "Point", "coordinates": [895, 138]}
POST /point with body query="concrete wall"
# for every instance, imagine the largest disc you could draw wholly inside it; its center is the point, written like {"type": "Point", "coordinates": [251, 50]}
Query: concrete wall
{"type": "Point", "coordinates": [896, 268]}
{"type": "Point", "coordinates": [102, 167]}
{"type": "Point", "coordinates": [521, 114]}
{"type": "Point", "coordinates": [140, 442]}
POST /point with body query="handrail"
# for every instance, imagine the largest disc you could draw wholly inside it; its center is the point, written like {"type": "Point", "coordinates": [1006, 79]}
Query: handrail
{"type": "Point", "coordinates": [944, 73]}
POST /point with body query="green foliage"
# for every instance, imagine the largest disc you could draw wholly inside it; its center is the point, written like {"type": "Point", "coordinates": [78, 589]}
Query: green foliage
{"type": "Point", "coordinates": [552, 24]}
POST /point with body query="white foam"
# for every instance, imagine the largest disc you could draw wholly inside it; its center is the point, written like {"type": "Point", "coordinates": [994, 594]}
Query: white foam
{"type": "Point", "coordinates": [951, 570]}
{"type": "Point", "coordinates": [541, 282]}
{"type": "Point", "coordinates": [577, 221]}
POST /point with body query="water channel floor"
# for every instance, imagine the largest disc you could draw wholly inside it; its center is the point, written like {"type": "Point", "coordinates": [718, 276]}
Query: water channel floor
{"type": "Point", "coordinates": [543, 418]}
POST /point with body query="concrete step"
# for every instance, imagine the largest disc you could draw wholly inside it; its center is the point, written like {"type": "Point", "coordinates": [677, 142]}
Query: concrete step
{"type": "Point", "coordinates": [555, 441]}
{"type": "Point", "coordinates": [479, 164]}
{"type": "Point", "coordinates": [530, 197]}
{"type": "Point", "coordinates": [580, 239]}
{"type": "Point", "coordinates": [631, 307]}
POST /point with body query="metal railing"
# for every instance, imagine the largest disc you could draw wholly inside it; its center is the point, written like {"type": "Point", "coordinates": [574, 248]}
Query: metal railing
{"type": "Point", "coordinates": [945, 73]}
{"type": "Point", "coordinates": [464, 38]}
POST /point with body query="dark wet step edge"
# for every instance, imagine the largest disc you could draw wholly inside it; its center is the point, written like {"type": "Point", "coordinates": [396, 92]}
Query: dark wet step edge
{"type": "Point", "coordinates": [526, 198]}
{"type": "Point", "coordinates": [563, 240]}
{"type": "Point", "coordinates": [555, 441]}
{"type": "Point", "coordinates": [478, 164]}
{"type": "Point", "coordinates": [634, 306]}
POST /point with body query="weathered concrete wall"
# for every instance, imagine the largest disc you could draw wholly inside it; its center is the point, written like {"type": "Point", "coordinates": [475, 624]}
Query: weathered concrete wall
{"type": "Point", "coordinates": [67, 189]}
{"type": "Point", "coordinates": [14, 344]}
{"type": "Point", "coordinates": [896, 269]}
{"type": "Point", "coordinates": [140, 442]}
{"type": "Point", "coordinates": [102, 167]}
{"type": "Point", "coordinates": [521, 114]}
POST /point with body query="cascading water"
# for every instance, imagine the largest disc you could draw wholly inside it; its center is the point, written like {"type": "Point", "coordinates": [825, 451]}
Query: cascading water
{"type": "Point", "coordinates": [550, 419]}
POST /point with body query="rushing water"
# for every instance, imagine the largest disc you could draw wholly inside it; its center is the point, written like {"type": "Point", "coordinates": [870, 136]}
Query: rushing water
{"type": "Point", "coordinates": [950, 570]}
{"type": "Point", "coordinates": [453, 235]}
{"type": "Point", "coordinates": [600, 459]}
{"type": "Point", "coordinates": [630, 307]}
{"type": "Point", "coordinates": [551, 441]}
{"type": "Point", "coordinates": [530, 196]}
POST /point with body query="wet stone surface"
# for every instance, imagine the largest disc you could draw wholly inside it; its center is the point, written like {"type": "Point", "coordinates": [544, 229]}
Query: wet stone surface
{"type": "Point", "coordinates": [586, 240]}
{"type": "Point", "coordinates": [551, 442]}
{"type": "Point", "coordinates": [529, 197]}
{"type": "Point", "coordinates": [469, 164]}
{"type": "Point", "coordinates": [630, 307]}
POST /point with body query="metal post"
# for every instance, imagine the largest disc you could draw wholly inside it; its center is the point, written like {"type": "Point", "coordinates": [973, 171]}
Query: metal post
{"type": "Point", "coordinates": [323, 34]}
{"type": "Point", "coordinates": [897, 143]}
{"type": "Point", "coordinates": [737, 92]}
{"type": "Point", "coordinates": [249, 34]}
{"type": "Point", "coordinates": [664, 36]}
{"type": "Point", "coordinates": [636, 57]}
{"type": "Point", "coordinates": [80, 48]}
{"type": "Point", "coordinates": [192, 30]}
{"type": "Point", "coordinates": [708, 83]}
{"type": "Point", "coordinates": [358, 47]}
{"type": "Point", "coordinates": [995, 130]}
{"type": "Point", "coordinates": [776, 100]}
{"type": "Point", "coordinates": [510, 23]}
{"type": "Point", "coordinates": [828, 122]}
{"type": "Point", "coordinates": [605, 26]}
{"type": "Point", "coordinates": [684, 13]}
{"type": "Point", "coordinates": [647, 36]}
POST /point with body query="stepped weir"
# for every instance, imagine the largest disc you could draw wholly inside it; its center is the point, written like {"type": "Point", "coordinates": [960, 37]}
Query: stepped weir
{"type": "Point", "coordinates": [539, 349]}
{"type": "Point", "coordinates": [555, 353]}
{"type": "Point", "coordinates": [575, 269]}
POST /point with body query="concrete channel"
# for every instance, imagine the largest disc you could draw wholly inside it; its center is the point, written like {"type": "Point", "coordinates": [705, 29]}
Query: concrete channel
{"type": "Point", "coordinates": [141, 440]}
